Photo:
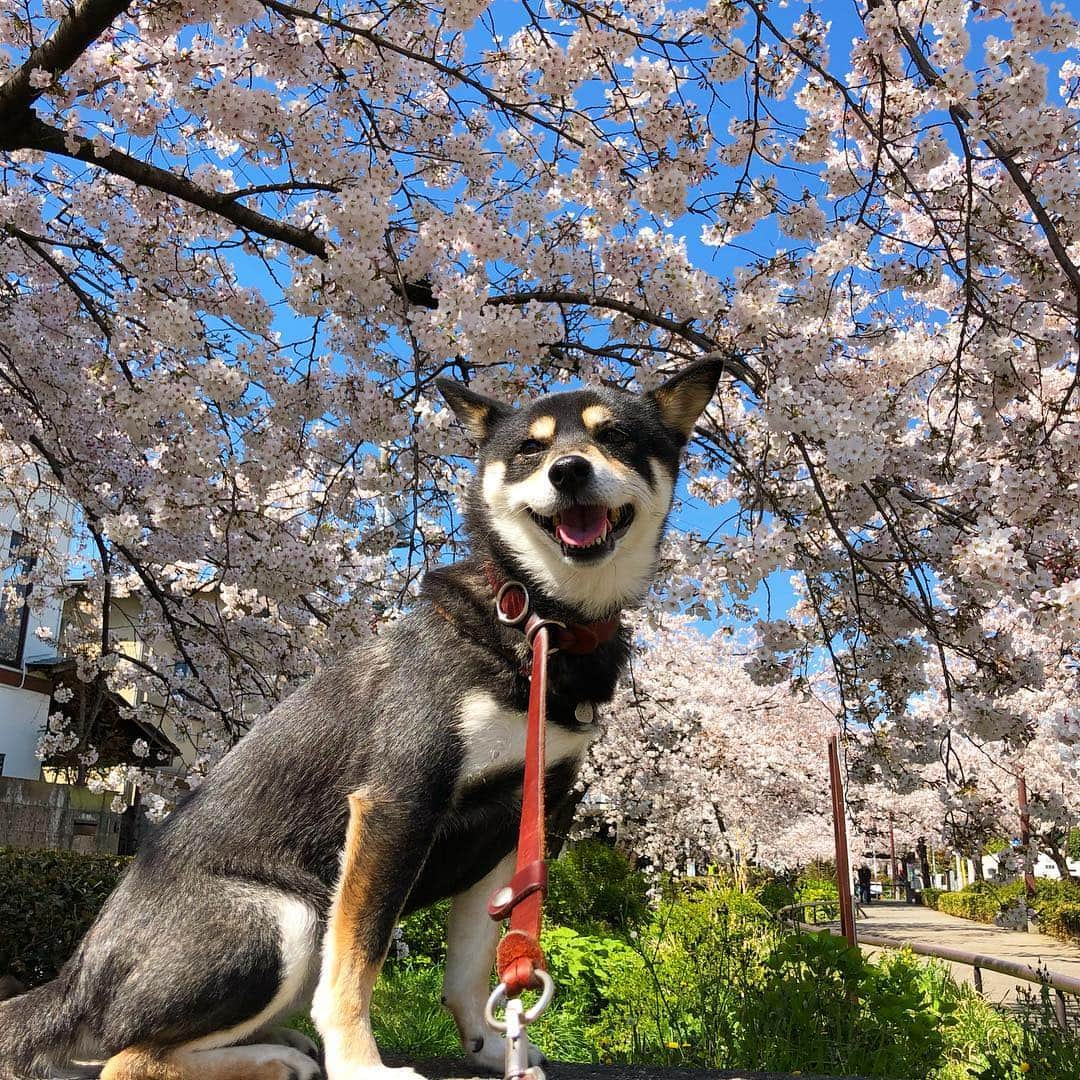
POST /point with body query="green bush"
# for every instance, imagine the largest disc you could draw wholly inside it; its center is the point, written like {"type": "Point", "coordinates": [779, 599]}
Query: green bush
{"type": "Point", "coordinates": [825, 1007]}
{"type": "Point", "coordinates": [1033, 1048]}
{"type": "Point", "coordinates": [1056, 903]}
{"type": "Point", "coordinates": [48, 899]}
{"type": "Point", "coordinates": [698, 957]}
{"type": "Point", "coordinates": [980, 906]}
{"type": "Point", "coordinates": [424, 935]}
{"type": "Point", "coordinates": [593, 888]}
{"type": "Point", "coordinates": [810, 889]}
{"type": "Point", "coordinates": [1063, 921]}
{"type": "Point", "coordinates": [586, 968]}
{"type": "Point", "coordinates": [774, 894]}
{"type": "Point", "coordinates": [720, 988]}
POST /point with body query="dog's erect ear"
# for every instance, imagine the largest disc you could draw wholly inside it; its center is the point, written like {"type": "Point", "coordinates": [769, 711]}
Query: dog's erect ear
{"type": "Point", "coordinates": [476, 412]}
{"type": "Point", "coordinates": [682, 399]}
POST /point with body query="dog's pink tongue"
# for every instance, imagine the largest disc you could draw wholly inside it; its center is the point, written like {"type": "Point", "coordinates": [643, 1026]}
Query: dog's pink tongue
{"type": "Point", "coordinates": [581, 525]}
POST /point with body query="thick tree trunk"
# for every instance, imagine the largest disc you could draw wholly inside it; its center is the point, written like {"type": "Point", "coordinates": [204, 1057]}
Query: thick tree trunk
{"type": "Point", "coordinates": [924, 863]}
{"type": "Point", "coordinates": [1058, 857]}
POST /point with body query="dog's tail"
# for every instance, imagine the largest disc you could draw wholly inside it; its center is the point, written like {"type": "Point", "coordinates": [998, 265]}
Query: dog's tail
{"type": "Point", "coordinates": [39, 1030]}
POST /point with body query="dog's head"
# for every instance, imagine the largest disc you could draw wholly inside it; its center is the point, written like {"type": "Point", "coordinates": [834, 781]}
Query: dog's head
{"type": "Point", "coordinates": [574, 489]}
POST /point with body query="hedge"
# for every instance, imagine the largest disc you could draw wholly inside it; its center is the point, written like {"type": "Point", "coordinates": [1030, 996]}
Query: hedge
{"type": "Point", "coordinates": [48, 899]}
{"type": "Point", "coordinates": [1056, 904]}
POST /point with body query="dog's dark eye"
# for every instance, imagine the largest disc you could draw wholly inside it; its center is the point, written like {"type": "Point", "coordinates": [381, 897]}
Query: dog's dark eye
{"type": "Point", "coordinates": [531, 446]}
{"type": "Point", "coordinates": [613, 436]}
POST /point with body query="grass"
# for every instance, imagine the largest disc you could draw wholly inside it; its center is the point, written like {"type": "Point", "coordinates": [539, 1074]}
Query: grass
{"type": "Point", "coordinates": [980, 1042]}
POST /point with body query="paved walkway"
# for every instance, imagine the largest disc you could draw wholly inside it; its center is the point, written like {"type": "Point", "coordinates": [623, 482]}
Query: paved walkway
{"type": "Point", "coordinates": [911, 922]}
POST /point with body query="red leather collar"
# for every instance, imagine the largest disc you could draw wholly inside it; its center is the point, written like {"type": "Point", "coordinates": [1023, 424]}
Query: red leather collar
{"type": "Point", "coordinates": [514, 607]}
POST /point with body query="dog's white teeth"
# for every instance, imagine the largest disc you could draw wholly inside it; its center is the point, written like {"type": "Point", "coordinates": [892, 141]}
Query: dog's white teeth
{"type": "Point", "coordinates": [602, 538]}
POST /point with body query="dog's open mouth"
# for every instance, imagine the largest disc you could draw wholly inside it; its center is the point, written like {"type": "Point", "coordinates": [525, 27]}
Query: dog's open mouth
{"type": "Point", "coordinates": [585, 532]}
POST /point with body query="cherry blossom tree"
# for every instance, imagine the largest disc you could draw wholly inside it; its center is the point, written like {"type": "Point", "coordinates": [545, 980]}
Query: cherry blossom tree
{"type": "Point", "coordinates": [239, 241]}
{"type": "Point", "coordinates": [699, 764]}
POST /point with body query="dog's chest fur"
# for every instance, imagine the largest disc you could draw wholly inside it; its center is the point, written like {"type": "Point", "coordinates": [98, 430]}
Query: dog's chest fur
{"type": "Point", "coordinates": [494, 737]}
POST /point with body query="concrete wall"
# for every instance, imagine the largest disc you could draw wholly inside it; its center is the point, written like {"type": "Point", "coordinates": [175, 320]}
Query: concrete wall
{"type": "Point", "coordinates": [34, 814]}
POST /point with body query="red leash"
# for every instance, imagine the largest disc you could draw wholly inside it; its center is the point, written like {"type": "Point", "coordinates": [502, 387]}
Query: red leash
{"type": "Point", "coordinates": [519, 954]}
{"type": "Point", "coordinates": [520, 957]}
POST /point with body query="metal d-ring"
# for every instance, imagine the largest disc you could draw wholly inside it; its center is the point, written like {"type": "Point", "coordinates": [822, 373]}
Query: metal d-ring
{"type": "Point", "coordinates": [511, 620]}
{"type": "Point", "coordinates": [532, 631]}
{"type": "Point", "coordinates": [547, 992]}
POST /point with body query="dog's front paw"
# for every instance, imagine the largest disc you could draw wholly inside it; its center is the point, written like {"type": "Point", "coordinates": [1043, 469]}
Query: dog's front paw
{"type": "Point", "coordinates": [303, 1066]}
{"type": "Point", "coordinates": [273, 1059]}
{"type": "Point", "coordinates": [491, 1054]}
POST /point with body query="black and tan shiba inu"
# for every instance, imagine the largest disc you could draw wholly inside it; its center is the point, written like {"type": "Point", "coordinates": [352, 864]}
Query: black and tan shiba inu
{"type": "Point", "coordinates": [391, 780]}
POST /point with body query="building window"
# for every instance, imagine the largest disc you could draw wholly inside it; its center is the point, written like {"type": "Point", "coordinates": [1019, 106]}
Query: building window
{"type": "Point", "coordinates": [2, 757]}
{"type": "Point", "coordinates": [14, 612]}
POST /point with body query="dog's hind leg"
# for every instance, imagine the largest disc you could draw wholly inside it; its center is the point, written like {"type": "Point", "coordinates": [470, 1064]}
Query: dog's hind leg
{"type": "Point", "coordinates": [277, 1035]}
{"type": "Point", "coordinates": [385, 847]}
{"type": "Point", "coordinates": [224, 1063]}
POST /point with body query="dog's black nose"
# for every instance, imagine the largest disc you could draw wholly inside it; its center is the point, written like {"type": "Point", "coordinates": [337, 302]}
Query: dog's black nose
{"type": "Point", "coordinates": [570, 473]}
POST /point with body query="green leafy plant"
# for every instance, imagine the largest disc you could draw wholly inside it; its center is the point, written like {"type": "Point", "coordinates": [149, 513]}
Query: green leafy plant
{"type": "Point", "coordinates": [774, 893]}
{"type": "Point", "coordinates": [48, 899]}
{"type": "Point", "coordinates": [825, 1007]}
{"type": "Point", "coordinates": [593, 887]}
{"type": "Point", "coordinates": [1036, 1048]}
{"type": "Point", "coordinates": [586, 967]}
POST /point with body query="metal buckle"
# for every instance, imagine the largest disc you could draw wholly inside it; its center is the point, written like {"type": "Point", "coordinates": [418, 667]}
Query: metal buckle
{"type": "Point", "coordinates": [547, 992]}
{"type": "Point", "coordinates": [532, 631]}
{"type": "Point", "coordinates": [516, 1061]}
{"type": "Point", "coordinates": [501, 615]}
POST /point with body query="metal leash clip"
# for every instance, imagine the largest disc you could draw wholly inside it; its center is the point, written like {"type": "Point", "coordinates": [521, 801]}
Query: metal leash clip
{"type": "Point", "coordinates": [514, 1027]}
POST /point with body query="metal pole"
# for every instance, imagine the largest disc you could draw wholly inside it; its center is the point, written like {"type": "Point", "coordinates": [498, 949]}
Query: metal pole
{"type": "Point", "coordinates": [1059, 1010]}
{"type": "Point", "coordinates": [1025, 834]}
{"type": "Point", "coordinates": [843, 868]}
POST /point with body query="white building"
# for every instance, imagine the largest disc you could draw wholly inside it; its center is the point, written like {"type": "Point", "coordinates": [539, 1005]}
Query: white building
{"type": "Point", "coordinates": [24, 694]}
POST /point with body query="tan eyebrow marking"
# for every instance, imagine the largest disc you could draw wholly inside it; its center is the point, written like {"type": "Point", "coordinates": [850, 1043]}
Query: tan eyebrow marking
{"type": "Point", "coordinates": [543, 427]}
{"type": "Point", "coordinates": [592, 416]}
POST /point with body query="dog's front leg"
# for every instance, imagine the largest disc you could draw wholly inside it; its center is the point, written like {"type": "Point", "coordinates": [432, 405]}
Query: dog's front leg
{"type": "Point", "coordinates": [385, 847]}
{"type": "Point", "coordinates": [472, 937]}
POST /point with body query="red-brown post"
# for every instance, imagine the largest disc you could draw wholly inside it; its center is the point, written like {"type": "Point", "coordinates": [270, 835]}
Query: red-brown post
{"type": "Point", "coordinates": [1025, 834]}
{"type": "Point", "coordinates": [892, 856]}
{"type": "Point", "coordinates": [843, 868]}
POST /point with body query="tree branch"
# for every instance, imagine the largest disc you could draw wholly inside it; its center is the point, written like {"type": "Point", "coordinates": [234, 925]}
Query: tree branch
{"type": "Point", "coordinates": [290, 12]}
{"type": "Point", "coordinates": [83, 297]}
{"type": "Point", "coordinates": [37, 135]}
{"type": "Point", "coordinates": [738, 367]}
{"type": "Point", "coordinates": [74, 34]}
{"type": "Point", "coordinates": [1007, 160]}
